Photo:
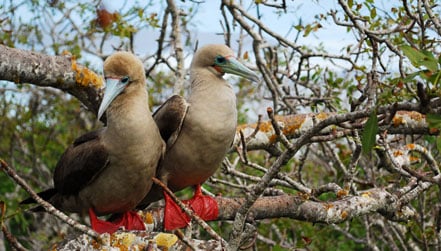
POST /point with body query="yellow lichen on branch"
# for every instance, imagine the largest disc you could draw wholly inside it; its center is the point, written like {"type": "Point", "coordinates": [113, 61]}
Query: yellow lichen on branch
{"type": "Point", "coordinates": [166, 240]}
{"type": "Point", "coordinates": [295, 125]}
{"type": "Point", "coordinates": [84, 76]}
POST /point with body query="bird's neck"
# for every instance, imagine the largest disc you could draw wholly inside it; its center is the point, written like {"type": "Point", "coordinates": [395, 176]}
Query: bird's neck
{"type": "Point", "coordinates": [212, 102]}
{"type": "Point", "coordinates": [128, 117]}
{"type": "Point", "coordinates": [206, 79]}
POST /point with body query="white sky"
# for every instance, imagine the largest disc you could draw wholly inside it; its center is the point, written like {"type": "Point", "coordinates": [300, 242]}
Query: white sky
{"type": "Point", "coordinates": [206, 23]}
{"type": "Point", "coordinates": [208, 19]}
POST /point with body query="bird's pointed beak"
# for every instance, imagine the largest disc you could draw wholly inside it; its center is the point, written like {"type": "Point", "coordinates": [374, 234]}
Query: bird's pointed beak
{"type": "Point", "coordinates": [233, 66]}
{"type": "Point", "coordinates": [114, 87]}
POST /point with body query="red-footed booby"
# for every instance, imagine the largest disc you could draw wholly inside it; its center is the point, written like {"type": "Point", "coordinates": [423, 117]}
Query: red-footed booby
{"type": "Point", "coordinates": [197, 145]}
{"type": "Point", "coordinates": [110, 170]}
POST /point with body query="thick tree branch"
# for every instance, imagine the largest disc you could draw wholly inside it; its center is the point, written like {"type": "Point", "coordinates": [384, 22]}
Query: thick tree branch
{"type": "Point", "coordinates": [61, 72]}
{"type": "Point", "coordinates": [293, 126]}
{"type": "Point", "coordinates": [378, 200]}
{"type": "Point", "coordinates": [299, 208]}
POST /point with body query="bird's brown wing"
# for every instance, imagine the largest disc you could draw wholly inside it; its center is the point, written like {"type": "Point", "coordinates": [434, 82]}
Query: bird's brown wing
{"type": "Point", "coordinates": [80, 163]}
{"type": "Point", "coordinates": [169, 118]}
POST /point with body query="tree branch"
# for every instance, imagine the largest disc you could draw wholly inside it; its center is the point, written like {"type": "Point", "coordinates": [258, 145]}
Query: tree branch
{"type": "Point", "coordinates": [46, 205]}
{"type": "Point", "coordinates": [61, 72]}
{"type": "Point", "coordinates": [293, 126]}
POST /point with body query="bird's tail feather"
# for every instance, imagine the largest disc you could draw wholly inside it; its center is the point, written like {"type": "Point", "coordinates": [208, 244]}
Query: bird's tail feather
{"type": "Point", "coordinates": [46, 195]}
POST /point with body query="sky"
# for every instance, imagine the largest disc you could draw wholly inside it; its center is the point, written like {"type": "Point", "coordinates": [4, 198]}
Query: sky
{"type": "Point", "coordinates": [208, 19]}
{"type": "Point", "coordinates": [207, 28]}
{"type": "Point", "coordinates": [206, 24]}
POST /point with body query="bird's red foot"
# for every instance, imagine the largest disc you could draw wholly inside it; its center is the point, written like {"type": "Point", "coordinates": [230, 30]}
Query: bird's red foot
{"type": "Point", "coordinates": [204, 206]}
{"type": "Point", "coordinates": [129, 220]}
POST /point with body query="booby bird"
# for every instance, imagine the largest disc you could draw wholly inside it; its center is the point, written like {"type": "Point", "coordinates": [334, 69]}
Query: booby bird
{"type": "Point", "coordinates": [110, 170]}
{"type": "Point", "coordinates": [197, 145]}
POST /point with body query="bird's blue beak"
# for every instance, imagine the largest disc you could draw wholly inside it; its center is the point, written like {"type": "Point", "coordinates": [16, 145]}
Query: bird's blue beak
{"type": "Point", "coordinates": [114, 86]}
{"type": "Point", "coordinates": [233, 66]}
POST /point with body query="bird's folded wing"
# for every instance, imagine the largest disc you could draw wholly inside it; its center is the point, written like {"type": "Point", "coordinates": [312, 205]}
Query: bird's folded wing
{"type": "Point", "coordinates": [169, 118]}
{"type": "Point", "coordinates": [81, 163]}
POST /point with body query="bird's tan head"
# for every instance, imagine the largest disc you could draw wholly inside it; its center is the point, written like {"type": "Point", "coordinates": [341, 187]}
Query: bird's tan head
{"type": "Point", "coordinates": [124, 74]}
{"type": "Point", "coordinates": [206, 56]}
{"type": "Point", "coordinates": [122, 64]}
{"type": "Point", "coordinates": [220, 59]}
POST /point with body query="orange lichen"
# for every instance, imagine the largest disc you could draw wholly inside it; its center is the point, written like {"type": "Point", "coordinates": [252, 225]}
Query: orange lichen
{"type": "Point", "coordinates": [273, 138]}
{"type": "Point", "coordinates": [342, 192]}
{"type": "Point", "coordinates": [397, 153]}
{"type": "Point", "coordinates": [123, 241]}
{"type": "Point", "coordinates": [322, 116]}
{"type": "Point", "coordinates": [328, 206]}
{"type": "Point", "coordinates": [416, 116]}
{"type": "Point", "coordinates": [66, 53]}
{"type": "Point", "coordinates": [148, 218]}
{"type": "Point", "coordinates": [292, 123]}
{"type": "Point", "coordinates": [265, 126]}
{"type": "Point", "coordinates": [414, 159]}
{"type": "Point", "coordinates": [344, 215]}
{"type": "Point", "coordinates": [95, 244]}
{"type": "Point", "coordinates": [397, 121]}
{"type": "Point", "coordinates": [304, 196]}
{"type": "Point", "coordinates": [399, 117]}
{"type": "Point", "coordinates": [411, 146]}
{"type": "Point", "coordinates": [85, 77]}
{"type": "Point", "coordinates": [243, 126]}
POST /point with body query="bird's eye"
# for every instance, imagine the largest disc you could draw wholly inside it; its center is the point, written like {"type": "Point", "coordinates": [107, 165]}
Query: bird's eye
{"type": "Point", "coordinates": [125, 80]}
{"type": "Point", "coordinates": [220, 60]}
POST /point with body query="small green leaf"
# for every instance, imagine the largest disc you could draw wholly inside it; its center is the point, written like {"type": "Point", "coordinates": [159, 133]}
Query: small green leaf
{"type": "Point", "coordinates": [413, 54]}
{"type": "Point", "coordinates": [434, 120]}
{"type": "Point", "coordinates": [373, 13]}
{"type": "Point", "coordinates": [420, 58]}
{"type": "Point", "coordinates": [369, 133]}
{"type": "Point", "coordinates": [430, 61]}
{"type": "Point", "coordinates": [438, 143]}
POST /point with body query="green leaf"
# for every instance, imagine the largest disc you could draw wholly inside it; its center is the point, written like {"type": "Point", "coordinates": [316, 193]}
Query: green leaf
{"type": "Point", "coordinates": [430, 61]}
{"type": "Point", "coordinates": [278, 248]}
{"type": "Point", "coordinates": [413, 54]}
{"type": "Point", "coordinates": [369, 133]}
{"type": "Point", "coordinates": [434, 120]}
{"type": "Point", "coordinates": [438, 143]}
{"type": "Point", "coordinates": [420, 58]}
{"type": "Point", "coordinates": [373, 13]}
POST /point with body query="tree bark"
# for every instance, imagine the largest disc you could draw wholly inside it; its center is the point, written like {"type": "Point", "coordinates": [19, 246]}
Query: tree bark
{"type": "Point", "coordinates": [299, 208]}
{"type": "Point", "coordinates": [61, 72]}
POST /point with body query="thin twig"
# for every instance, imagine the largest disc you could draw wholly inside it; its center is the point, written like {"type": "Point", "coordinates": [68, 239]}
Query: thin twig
{"type": "Point", "coordinates": [46, 205]}
{"type": "Point", "coordinates": [276, 127]}
{"type": "Point", "coordinates": [8, 235]}
{"type": "Point", "coordinates": [12, 240]}
{"type": "Point", "coordinates": [184, 239]}
{"type": "Point", "coordinates": [176, 36]}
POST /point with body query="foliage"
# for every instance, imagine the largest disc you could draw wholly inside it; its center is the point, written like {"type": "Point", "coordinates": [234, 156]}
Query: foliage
{"type": "Point", "coordinates": [37, 125]}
